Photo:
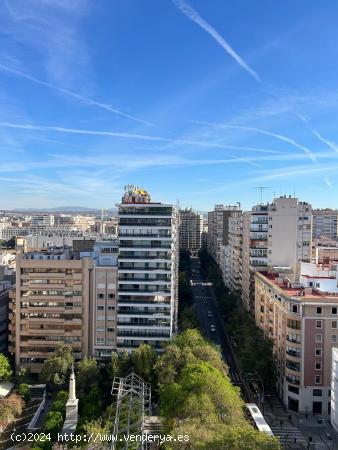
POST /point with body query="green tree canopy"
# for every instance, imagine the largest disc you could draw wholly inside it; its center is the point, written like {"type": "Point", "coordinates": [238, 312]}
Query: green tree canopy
{"type": "Point", "coordinates": [57, 367]}
{"type": "Point", "coordinates": [197, 399]}
{"type": "Point", "coordinates": [143, 360]}
{"type": "Point", "coordinates": [5, 368]}
{"type": "Point", "coordinates": [88, 375]}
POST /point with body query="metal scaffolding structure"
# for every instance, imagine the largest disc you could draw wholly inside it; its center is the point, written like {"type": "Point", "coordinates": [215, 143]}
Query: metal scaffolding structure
{"type": "Point", "coordinates": [132, 406]}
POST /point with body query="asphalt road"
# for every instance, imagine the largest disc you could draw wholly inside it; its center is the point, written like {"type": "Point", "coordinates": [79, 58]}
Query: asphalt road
{"type": "Point", "coordinates": [206, 305]}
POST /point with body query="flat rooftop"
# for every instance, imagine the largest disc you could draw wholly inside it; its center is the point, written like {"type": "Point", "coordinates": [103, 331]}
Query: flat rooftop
{"type": "Point", "coordinates": [301, 293]}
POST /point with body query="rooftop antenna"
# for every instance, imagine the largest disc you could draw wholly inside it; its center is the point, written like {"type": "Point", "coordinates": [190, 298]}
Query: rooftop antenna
{"type": "Point", "coordinates": [261, 189]}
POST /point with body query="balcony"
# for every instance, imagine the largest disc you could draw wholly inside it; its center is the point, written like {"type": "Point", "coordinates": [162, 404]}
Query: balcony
{"type": "Point", "coordinates": [145, 280]}
{"type": "Point", "coordinates": [257, 236]}
{"type": "Point", "coordinates": [145, 334]}
{"type": "Point", "coordinates": [159, 291]}
{"type": "Point", "coordinates": [293, 353]}
{"type": "Point", "coordinates": [129, 269]}
{"type": "Point", "coordinates": [258, 261]}
{"type": "Point", "coordinates": [294, 339]}
{"type": "Point", "coordinates": [292, 365]}
{"type": "Point", "coordinates": [144, 258]}
{"type": "Point", "coordinates": [141, 236]}
{"type": "Point", "coordinates": [292, 380]}
{"type": "Point", "coordinates": [138, 247]}
{"type": "Point", "coordinates": [138, 312]}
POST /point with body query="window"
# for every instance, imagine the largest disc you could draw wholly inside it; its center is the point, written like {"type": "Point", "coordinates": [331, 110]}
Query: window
{"type": "Point", "coordinates": [318, 365]}
{"type": "Point", "coordinates": [111, 296]}
{"type": "Point", "coordinates": [110, 330]}
{"type": "Point", "coordinates": [318, 324]}
{"type": "Point", "coordinates": [333, 338]}
{"type": "Point", "coordinates": [334, 310]}
{"type": "Point", "coordinates": [317, 285]}
{"type": "Point", "coordinates": [334, 324]}
{"type": "Point", "coordinates": [318, 338]}
{"type": "Point", "coordinates": [295, 309]}
{"type": "Point", "coordinates": [318, 352]}
{"type": "Point", "coordinates": [100, 308]}
{"type": "Point", "coordinates": [318, 379]}
{"type": "Point", "coordinates": [319, 310]}
{"type": "Point", "coordinates": [317, 392]}
{"type": "Point", "coordinates": [100, 295]}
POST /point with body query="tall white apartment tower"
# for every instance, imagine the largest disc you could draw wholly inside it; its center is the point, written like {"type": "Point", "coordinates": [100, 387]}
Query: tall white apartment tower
{"type": "Point", "coordinates": [191, 230]}
{"type": "Point", "coordinates": [147, 271]}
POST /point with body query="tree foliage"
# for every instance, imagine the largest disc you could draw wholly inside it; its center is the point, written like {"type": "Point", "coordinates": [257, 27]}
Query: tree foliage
{"type": "Point", "coordinates": [187, 317]}
{"type": "Point", "coordinates": [255, 354]}
{"type": "Point", "coordinates": [143, 360]}
{"type": "Point", "coordinates": [24, 392]}
{"type": "Point", "coordinates": [59, 403]}
{"type": "Point", "coordinates": [5, 368]}
{"type": "Point", "coordinates": [88, 374]}
{"type": "Point", "coordinates": [57, 367]}
{"type": "Point", "coordinates": [90, 405]}
{"type": "Point", "coordinates": [184, 261]}
{"type": "Point", "coordinates": [10, 408]}
{"type": "Point", "coordinates": [53, 424]}
{"type": "Point", "coordinates": [198, 399]}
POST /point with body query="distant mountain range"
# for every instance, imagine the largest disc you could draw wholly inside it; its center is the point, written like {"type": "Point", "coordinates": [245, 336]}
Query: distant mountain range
{"type": "Point", "coordinates": [62, 209]}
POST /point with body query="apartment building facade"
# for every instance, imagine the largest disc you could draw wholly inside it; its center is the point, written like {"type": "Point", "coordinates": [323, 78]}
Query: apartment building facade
{"type": "Point", "coordinates": [254, 251]}
{"type": "Point", "coordinates": [190, 231]}
{"type": "Point", "coordinates": [325, 223]}
{"type": "Point", "coordinates": [103, 308]}
{"type": "Point", "coordinates": [4, 304]}
{"type": "Point", "coordinates": [50, 305]}
{"type": "Point", "coordinates": [218, 229]}
{"type": "Point", "coordinates": [148, 270]}
{"type": "Point", "coordinates": [235, 252]}
{"type": "Point", "coordinates": [224, 263]}
{"type": "Point", "coordinates": [276, 235]}
{"type": "Point", "coordinates": [300, 315]}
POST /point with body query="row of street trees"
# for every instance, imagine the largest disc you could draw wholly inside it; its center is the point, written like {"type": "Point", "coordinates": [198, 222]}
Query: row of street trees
{"type": "Point", "coordinates": [255, 352]}
{"type": "Point", "coordinates": [187, 316]}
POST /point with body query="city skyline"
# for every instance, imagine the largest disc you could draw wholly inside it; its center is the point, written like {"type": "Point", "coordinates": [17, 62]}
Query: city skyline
{"type": "Point", "coordinates": [194, 101]}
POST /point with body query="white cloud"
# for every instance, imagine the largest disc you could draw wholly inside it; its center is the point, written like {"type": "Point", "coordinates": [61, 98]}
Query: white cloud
{"type": "Point", "coordinates": [193, 15]}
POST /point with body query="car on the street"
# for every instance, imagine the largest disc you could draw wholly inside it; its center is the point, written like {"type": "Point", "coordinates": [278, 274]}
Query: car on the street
{"type": "Point", "coordinates": [205, 302]}
{"type": "Point", "coordinates": [212, 328]}
{"type": "Point", "coordinates": [210, 314]}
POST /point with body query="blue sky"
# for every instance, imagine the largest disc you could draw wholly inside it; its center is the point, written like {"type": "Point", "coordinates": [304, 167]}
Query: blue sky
{"type": "Point", "coordinates": [200, 101]}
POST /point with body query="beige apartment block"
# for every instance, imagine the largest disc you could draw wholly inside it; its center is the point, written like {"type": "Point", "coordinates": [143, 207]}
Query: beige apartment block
{"type": "Point", "coordinates": [276, 235]}
{"type": "Point", "coordinates": [190, 231]}
{"type": "Point", "coordinates": [103, 309]}
{"type": "Point", "coordinates": [301, 317]}
{"type": "Point", "coordinates": [50, 305]}
{"type": "Point", "coordinates": [325, 223]}
{"type": "Point", "coordinates": [218, 229]}
{"type": "Point", "coordinates": [235, 252]}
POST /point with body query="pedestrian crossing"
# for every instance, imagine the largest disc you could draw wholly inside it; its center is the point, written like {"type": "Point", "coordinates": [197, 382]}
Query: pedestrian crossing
{"type": "Point", "coordinates": [288, 434]}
